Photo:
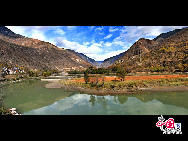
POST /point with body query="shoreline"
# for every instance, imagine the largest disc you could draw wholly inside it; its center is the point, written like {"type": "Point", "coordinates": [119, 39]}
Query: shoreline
{"type": "Point", "coordinates": [57, 84]}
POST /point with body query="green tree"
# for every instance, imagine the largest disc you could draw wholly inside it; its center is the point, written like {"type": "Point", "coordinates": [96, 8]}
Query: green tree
{"type": "Point", "coordinates": [121, 72]}
{"type": "Point", "coordinates": [86, 77]}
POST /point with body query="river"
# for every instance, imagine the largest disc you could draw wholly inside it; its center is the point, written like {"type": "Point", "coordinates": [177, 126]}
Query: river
{"type": "Point", "coordinates": [30, 97]}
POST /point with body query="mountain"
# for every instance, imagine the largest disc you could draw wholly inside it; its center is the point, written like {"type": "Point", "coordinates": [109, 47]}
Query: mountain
{"type": "Point", "coordinates": [163, 36]}
{"type": "Point", "coordinates": [89, 60]}
{"type": "Point", "coordinates": [170, 54]}
{"type": "Point", "coordinates": [18, 50]}
{"type": "Point", "coordinates": [110, 61]}
{"type": "Point", "coordinates": [141, 46]}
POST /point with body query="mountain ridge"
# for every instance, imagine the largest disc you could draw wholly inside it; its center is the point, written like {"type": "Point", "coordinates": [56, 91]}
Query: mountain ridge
{"type": "Point", "coordinates": [170, 54]}
{"type": "Point", "coordinates": [19, 50]}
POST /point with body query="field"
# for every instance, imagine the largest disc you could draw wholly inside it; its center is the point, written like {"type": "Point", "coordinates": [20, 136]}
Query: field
{"type": "Point", "coordinates": [127, 78]}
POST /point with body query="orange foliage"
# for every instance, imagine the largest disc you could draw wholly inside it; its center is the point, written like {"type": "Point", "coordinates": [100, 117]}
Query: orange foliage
{"type": "Point", "coordinates": [93, 79]}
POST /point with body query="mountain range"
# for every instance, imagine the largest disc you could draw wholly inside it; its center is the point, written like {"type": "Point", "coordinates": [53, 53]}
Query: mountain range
{"type": "Point", "coordinates": [168, 51]}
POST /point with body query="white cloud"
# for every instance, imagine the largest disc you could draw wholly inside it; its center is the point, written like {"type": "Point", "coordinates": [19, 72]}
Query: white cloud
{"type": "Point", "coordinates": [37, 35]}
{"type": "Point", "coordinates": [112, 29]}
{"type": "Point", "coordinates": [108, 36]}
{"type": "Point", "coordinates": [108, 44]}
{"type": "Point", "coordinates": [86, 43]}
{"type": "Point", "coordinates": [93, 48]}
{"type": "Point", "coordinates": [59, 31]}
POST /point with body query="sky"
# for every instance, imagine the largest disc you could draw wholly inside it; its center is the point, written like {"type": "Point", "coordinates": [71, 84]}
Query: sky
{"type": "Point", "coordinates": [97, 42]}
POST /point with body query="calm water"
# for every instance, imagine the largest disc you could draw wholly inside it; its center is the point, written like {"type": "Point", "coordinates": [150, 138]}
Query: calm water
{"type": "Point", "coordinates": [32, 98]}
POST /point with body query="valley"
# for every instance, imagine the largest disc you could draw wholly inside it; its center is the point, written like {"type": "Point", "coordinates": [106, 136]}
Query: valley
{"type": "Point", "coordinates": [149, 65]}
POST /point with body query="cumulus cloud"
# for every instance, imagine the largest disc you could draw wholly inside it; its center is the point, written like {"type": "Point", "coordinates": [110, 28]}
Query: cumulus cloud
{"type": "Point", "coordinates": [93, 48]}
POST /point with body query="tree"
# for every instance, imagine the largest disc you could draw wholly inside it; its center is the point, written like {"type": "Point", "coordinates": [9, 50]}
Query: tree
{"type": "Point", "coordinates": [115, 68]}
{"type": "Point", "coordinates": [86, 76]}
{"type": "Point", "coordinates": [121, 72]}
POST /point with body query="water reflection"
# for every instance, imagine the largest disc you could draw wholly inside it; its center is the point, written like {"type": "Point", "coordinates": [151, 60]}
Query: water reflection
{"type": "Point", "coordinates": [31, 94]}
{"type": "Point", "coordinates": [31, 97]}
{"type": "Point", "coordinates": [84, 104]}
{"type": "Point", "coordinates": [98, 99]}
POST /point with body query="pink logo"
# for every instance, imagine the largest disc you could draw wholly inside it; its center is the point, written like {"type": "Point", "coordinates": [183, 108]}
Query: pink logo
{"type": "Point", "coordinates": [171, 126]}
{"type": "Point", "coordinates": [170, 123]}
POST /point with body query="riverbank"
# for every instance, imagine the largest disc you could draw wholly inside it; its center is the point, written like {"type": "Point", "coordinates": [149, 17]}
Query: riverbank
{"type": "Point", "coordinates": [132, 84]}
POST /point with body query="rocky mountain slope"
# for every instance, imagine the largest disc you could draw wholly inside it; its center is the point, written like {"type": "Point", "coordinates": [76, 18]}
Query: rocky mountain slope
{"type": "Point", "coordinates": [141, 46]}
{"type": "Point", "coordinates": [163, 36]}
{"type": "Point", "coordinates": [169, 54]}
{"type": "Point", "coordinates": [18, 50]}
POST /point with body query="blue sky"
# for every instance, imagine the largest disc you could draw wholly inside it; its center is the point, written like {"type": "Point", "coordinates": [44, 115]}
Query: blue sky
{"type": "Point", "coordinates": [97, 42]}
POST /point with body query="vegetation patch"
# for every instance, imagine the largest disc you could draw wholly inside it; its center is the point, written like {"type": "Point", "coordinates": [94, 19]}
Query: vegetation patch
{"type": "Point", "coordinates": [4, 111]}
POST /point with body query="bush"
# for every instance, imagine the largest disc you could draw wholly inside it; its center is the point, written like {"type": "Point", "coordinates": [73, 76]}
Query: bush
{"type": "Point", "coordinates": [46, 73]}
